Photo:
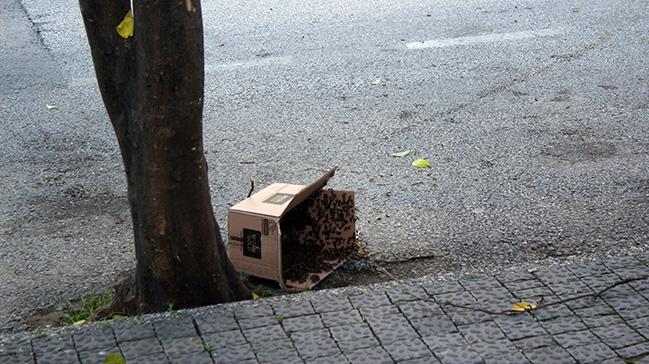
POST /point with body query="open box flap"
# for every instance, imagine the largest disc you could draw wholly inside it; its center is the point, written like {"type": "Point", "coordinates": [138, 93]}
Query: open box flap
{"type": "Point", "coordinates": [309, 190]}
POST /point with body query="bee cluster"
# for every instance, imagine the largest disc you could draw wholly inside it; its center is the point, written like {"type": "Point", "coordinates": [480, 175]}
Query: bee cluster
{"type": "Point", "coordinates": [317, 234]}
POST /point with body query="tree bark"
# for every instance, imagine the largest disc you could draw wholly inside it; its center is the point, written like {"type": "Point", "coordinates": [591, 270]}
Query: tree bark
{"type": "Point", "coordinates": [152, 87]}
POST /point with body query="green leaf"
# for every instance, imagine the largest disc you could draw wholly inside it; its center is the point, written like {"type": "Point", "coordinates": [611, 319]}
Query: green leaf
{"type": "Point", "coordinates": [400, 154]}
{"type": "Point", "coordinates": [114, 359]}
{"type": "Point", "coordinates": [376, 82]}
{"type": "Point", "coordinates": [421, 163]}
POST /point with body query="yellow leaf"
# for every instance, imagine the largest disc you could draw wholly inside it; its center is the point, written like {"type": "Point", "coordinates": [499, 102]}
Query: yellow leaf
{"type": "Point", "coordinates": [50, 106]}
{"type": "Point", "coordinates": [523, 306]}
{"type": "Point", "coordinates": [125, 28]}
{"type": "Point", "coordinates": [400, 154]}
{"type": "Point", "coordinates": [114, 359]}
{"type": "Point", "coordinates": [79, 323]}
{"type": "Point", "coordinates": [255, 296]}
{"type": "Point", "coordinates": [376, 82]}
{"type": "Point", "coordinates": [421, 163]}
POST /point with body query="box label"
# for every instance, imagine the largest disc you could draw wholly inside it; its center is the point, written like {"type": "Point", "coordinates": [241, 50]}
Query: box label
{"type": "Point", "coordinates": [252, 243]}
{"type": "Point", "coordinates": [278, 198]}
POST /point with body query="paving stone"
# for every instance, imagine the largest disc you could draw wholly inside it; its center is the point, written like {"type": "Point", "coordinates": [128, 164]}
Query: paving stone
{"type": "Point", "coordinates": [97, 357]}
{"type": "Point", "coordinates": [458, 354]}
{"type": "Point", "coordinates": [19, 346]}
{"type": "Point", "coordinates": [374, 355]}
{"type": "Point", "coordinates": [174, 328]}
{"type": "Point", "coordinates": [589, 269]}
{"type": "Point", "coordinates": [519, 326]}
{"type": "Point", "coordinates": [570, 289]}
{"type": "Point", "coordinates": [435, 288]}
{"type": "Point", "coordinates": [591, 353]}
{"type": "Point", "coordinates": [137, 348]}
{"type": "Point", "coordinates": [370, 312]}
{"type": "Point", "coordinates": [274, 350]}
{"type": "Point", "coordinates": [600, 282]}
{"type": "Point", "coordinates": [526, 294]}
{"type": "Point", "coordinates": [191, 358]}
{"type": "Point", "coordinates": [216, 322]}
{"type": "Point", "coordinates": [336, 359]}
{"type": "Point", "coordinates": [374, 299]}
{"type": "Point", "coordinates": [639, 323]}
{"type": "Point", "coordinates": [556, 274]}
{"type": "Point", "coordinates": [251, 311]}
{"type": "Point", "coordinates": [523, 285]}
{"type": "Point", "coordinates": [486, 331]}
{"type": "Point", "coordinates": [425, 360]}
{"type": "Point", "coordinates": [630, 306]}
{"type": "Point", "coordinates": [534, 342]}
{"type": "Point", "coordinates": [641, 285]}
{"type": "Point", "coordinates": [303, 323]}
{"type": "Point", "coordinates": [273, 332]}
{"type": "Point", "coordinates": [293, 309]}
{"type": "Point", "coordinates": [340, 318]}
{"type": "Point", "coordinates": [158, 358]}
{"type": "Point", "coordinates": [392, 328]}
{"type": "Point", "coordinates": [233, 354]}
{"type": "Point", "coordinates": [52, 344]}
{"type": "Point", "coordinates": [618, 336]}
{"type": "Point", "coordinates": [321, 348]}
{"type": "Point", "coordinates": [458, 298]}
{"type": "Point", "coordinates": [96, 339]}
{"type": "Point", "coordinates": [599, 308]}
{"type": "Point", "coordinates": [351, 332]}
{"type": "Point", "coordinates": [407, 349]}
{"type": "Point", "coordinates": [495, 348]}
{"type": "Point", "coordinates": [406, 293]}
{"type": "Point", "coordinates": [514, 276]}
{"type": "Point", "coordinates": [433, 325]}
{"type": "Point", "coordinates": [619, 361]}
{"type": "Point", "coordinates": [493, 295]}
{"type": "Point", "coordinates": [579, 303]}
{"type": "Point", "coordinates": [461, 316]}
{"type": "Point", "coordinates": [632, 272]}
{"type": "Point", "coordinates": [576, 338]}
{"type": "Point", "coordinates": [481, 284]}
{"type": "Point", "coordinates": [511, 358]}
{"type": "Point", "coordinates": [634, 350]}
{"type": "Point", "coordinates": [563, 324]}
{"type": "Point", "coordinates": [183, 345]}
{"type": "Point", "coordinates": [333, 303]}
{"type": "Point", "coordinates": [127, 330]}
{"type": "Point", "coordinates": [441, 341]}
{"type": "Point", "coordinates": [621, 292]}
{"type": "Point", "coordinates": [310, 336]}
{"type": "Point", "coordinates": [549, 354]}
{"type": "Point", "coordinates": [351, 345]}
{"type": "Point", "coordinates": [19, 358]}
{"type": "Point", "coordinates": [57, 357]}
{"type": "Point", "coordinates": [251, 323]}
{"type": "Point", "coordinates": [420, 308]}
{"type": "Point", "coordinates": [598, 321]}
{"type": "Point", "coordinates": [229, 338]}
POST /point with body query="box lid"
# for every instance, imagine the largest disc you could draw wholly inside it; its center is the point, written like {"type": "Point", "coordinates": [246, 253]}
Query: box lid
{"type": "Point", "coordinates": [279, 198]}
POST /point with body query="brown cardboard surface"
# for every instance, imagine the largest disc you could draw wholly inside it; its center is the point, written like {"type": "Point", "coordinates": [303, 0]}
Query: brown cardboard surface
{"type": "Point", "coordinates": [255, 236]}
{"type": "Point", "coordinates": [259, 202]}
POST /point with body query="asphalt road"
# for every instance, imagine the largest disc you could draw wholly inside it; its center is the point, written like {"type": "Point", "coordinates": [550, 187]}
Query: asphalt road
{"type": "Point", "coordinates": [533, 115]}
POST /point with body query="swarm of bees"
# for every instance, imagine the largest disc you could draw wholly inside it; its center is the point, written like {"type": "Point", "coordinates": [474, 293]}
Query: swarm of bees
{"type": "Point", "coordinates": [317, 234]}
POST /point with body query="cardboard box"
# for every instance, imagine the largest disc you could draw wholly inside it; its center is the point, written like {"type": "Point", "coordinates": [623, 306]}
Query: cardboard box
{"type": "Point", "coordinates": [284, 231]}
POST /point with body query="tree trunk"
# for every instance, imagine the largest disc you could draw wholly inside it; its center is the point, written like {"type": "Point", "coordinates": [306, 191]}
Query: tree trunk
{"type": "Point", "coordinates": [152, 87]}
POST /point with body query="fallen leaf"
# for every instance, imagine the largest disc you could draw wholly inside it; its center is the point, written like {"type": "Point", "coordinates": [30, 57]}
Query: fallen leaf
{"type": "Point", "coordinates": [376, 82]}
{"type": "Point", "coordinates": [523, 306]}
{"type": "Point", "coordinates": [50, 106]}
{"type": "Point", "coordinates": [79, 323]}
{"type": "Point", "coordinates": [125, 28]}
{"type": "Point", "coordinates": [255, 296]}
{"type": "Point", "coordinates": [114, 359]}
{"type": "Point", "coordinates": [400, 154]}
{"type": "Point", "coordinates": [421, 163]}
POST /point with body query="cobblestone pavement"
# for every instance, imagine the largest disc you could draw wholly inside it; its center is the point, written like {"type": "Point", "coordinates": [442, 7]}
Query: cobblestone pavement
{"type": "Point", "coordinates": [405, 322]}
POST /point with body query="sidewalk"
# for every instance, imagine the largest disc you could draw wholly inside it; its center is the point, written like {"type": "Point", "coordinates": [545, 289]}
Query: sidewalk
{"type": "Point", "coordinates": [405, 322]}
